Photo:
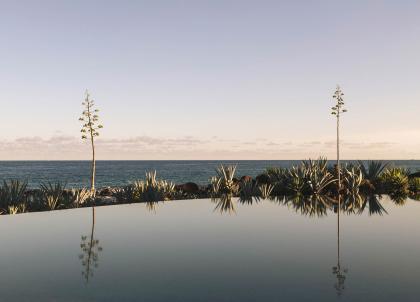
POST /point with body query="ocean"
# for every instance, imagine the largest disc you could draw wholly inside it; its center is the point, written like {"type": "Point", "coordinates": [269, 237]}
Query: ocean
{"type": "Point", "coordinates": [118, 173]}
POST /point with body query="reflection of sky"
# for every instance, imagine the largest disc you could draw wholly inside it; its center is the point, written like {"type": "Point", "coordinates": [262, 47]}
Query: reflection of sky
{"type": "Point", "coordinates": [162, 71]}
{"type": "Point", "coordinates": [187, 252]}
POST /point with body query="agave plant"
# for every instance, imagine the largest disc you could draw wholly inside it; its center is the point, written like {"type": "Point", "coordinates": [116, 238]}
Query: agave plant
{"type": "Point", "coordinates": [152, 189]}
{"type": "Point", "coordinates": [12, 194]}
{"type": "Point", "coordinates": [352, 180]}
{"type": "Point", "coordinates": [224, 182]}
{"type": "Point", "coordinates": [125, 193]}
{"type": "Point", "coordinates": [265, 190]}
{"type": "Point", "coordinates": [80, 196]}
{"type": "Point", "coordinates": [296, 179]}
{"type": "Point", "coordinates": [373, 170]}
{"type": "Point", "coordinates": [53, 195]}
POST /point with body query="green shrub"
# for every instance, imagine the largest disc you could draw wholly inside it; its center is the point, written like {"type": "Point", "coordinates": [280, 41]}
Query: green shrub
{"type": "Point", "coordinates": [53, 195]}
{"type": "Point", "coordinates": [394, 181]}
{"type": "Point", "coordinates": [152, 189]}
{"type": "Point", "coordinates": [13, 196]}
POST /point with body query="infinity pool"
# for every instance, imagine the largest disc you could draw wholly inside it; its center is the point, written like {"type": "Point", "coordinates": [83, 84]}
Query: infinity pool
{"type": "Point", "coordinates": [190, 251]}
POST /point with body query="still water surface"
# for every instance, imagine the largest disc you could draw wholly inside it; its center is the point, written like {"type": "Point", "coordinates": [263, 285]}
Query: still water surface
{"type": "Point", "coordinates": [187, 251]}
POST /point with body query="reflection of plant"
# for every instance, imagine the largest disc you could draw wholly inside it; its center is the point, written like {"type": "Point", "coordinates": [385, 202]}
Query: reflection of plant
{"type": "Point", "coordinates": [53, 195]}
{"type": "Point", "coordinates": [223, 182]}
{"type": "Point", "coordinates": [224, 204]}
{"type": "Point", "coordinates": [312, 206]}
{"type": "Point", "coordinates": [90, 252]}
{"type": "Point", "coordinates": [341, 278]}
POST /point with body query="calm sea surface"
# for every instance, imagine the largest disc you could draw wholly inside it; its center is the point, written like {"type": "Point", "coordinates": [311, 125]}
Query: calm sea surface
{"type": "Point", "coordinates": [186, 251]}
{"type": "Point", "coordinates": [116, 173]}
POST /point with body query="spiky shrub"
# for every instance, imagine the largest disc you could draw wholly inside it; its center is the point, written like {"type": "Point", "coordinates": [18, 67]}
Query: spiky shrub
{"type": "Point", "coordinates": [79, 197]}
{"type": "Point", "coordinates": [414, 185]}
{"type": "Point", "coordinates": [90, 130]}
{"type": "Point", "coordinates": [125, 193]}
{"type": "Point", "coordinates": [394, 181]}
{"type": "Point", "coordinates": [223, 182]}
{"type": "Point", "coordinates": [247, 191]}
{"type": "Point", "coordinates": [309, 178]}
{"type": "Point", "coordinates": [13, 197]}
{"type": "Point", "coordinates": [152, 189]}
{"type": "Point", "coordinates": [265, 190]}
{"type": "Point", "coordinates": [352, 179]}
{"type": "Point", "coordinates": [53, 195]}
{"type": "Point", "coordinates": [372, 171]}
{"type": "Point", "coordinates": [278, 178]}
{"type": "Point", "coordinates": [296, 180]}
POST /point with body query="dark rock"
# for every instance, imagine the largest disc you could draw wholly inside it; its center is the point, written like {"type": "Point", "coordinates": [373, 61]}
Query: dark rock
{"type": "Point", "coordinates": [106, 192]}
{"type": "Point", "coordinates": [189, 187]}
{"type": "Point", "coordinates": [414, 175]}
{"type": "Point", "coordinates": [263, 179]}
{"type": "Point", "coordinates": [246, 178]}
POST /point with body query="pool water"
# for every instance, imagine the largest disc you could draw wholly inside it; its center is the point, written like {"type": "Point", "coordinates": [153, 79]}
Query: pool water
{"type": "Point", "coordinates": [191, 251]}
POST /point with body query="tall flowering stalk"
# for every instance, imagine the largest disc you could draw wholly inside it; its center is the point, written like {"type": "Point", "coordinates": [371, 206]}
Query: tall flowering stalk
{"type": "Point", "coordinates": [337, 110]}
{"type": "Point", "coordinates": [90, 127]}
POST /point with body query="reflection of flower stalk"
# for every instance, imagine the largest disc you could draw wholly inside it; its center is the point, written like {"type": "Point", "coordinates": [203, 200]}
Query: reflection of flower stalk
{"type": "Point", "coordinates": [90, 252]}
{"type": "Point", "coordinates": [337, 270]}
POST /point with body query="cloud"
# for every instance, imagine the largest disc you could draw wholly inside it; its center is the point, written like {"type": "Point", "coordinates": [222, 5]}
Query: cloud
{"type": "Point", "coordinates": [65, 147]}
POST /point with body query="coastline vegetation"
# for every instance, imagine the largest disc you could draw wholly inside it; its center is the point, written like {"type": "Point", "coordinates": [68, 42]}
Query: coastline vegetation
{"type": "Point", "coordinates": [313, 182]}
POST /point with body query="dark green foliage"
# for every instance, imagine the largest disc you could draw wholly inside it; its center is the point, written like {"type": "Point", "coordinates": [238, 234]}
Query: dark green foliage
{"type": "Point", "coordinates": [13, 197]}
{"type": "Point", "coordinates": [394, 181]}
{"type": "Point", "coordinates": [54, 195]}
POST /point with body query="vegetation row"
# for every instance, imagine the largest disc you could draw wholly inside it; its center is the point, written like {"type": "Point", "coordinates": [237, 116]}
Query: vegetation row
{"type": "Point", "coordinates": [312, 178]}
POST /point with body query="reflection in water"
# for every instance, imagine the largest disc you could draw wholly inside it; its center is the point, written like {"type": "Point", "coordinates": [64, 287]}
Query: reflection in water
{"type": "Point", "coordinates": [90, 252]}
{"type": "Point", "coordinates": [224, 204]}
{"type": "Point", "coordinates": [151, 206]}
{"type": "Point", "coordinates": [338, 271]}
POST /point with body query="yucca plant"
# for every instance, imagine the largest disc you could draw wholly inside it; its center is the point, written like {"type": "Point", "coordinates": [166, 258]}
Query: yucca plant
{"type": "Point", "coordinates": [152, 189]}
{"type": "Point", "coordinates": [80, 196]}
{"type": "Point", "coordinates": [352, 180]}
{"type": "Point", "coordinates": [265, 190]}
{"type": "Point", "coordinates": [53, 195]}
{"type": "Point", "coordinates": [224, 182]}
{"type": "Point", "coordinates": [12, 194]}
{"type": "Point", "coordinates": [296, 179]}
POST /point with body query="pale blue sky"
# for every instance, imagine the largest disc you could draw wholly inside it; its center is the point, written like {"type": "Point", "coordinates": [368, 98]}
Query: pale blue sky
{"type": "Point", "coordinates": [210, 79]}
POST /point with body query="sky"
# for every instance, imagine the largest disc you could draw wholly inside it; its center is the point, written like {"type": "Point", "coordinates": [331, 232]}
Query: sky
{"type": "Point", "coordinates": [210, 79]}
